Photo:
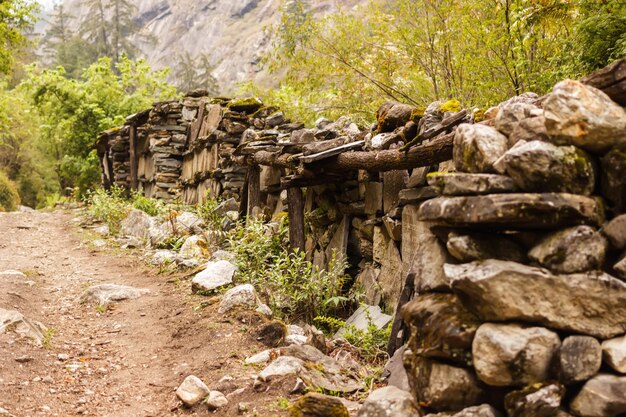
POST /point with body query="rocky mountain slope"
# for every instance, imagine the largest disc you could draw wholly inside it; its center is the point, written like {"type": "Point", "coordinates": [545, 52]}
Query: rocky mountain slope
{"type": "Point", "coordinates": [232, 33]}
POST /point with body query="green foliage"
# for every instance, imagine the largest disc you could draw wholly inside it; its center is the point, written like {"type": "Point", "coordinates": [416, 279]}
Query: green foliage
{"type": "Point", "coordinates": [109, 207]}
{"type": "Point", "coordinates": [206, 211]}
{"type": "Point", "coordinates": [54, 200]}
{"type": "Point", "coordinates": [294, 288]}
{"type": "Point", "coordinates": [151, 206]}
{"type": "Point", "coordinates": [73, 112]}
{"type": "Point", "coordinates": [9, 198]}
{"type": "Point", "coordinates": [16, 18]}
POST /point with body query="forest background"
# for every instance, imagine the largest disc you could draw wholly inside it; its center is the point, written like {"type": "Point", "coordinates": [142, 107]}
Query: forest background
{"type": "Point", "coordinates": [58, 90]}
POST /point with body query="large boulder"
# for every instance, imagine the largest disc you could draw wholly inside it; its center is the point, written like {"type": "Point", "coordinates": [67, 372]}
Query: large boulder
{"type": "Point", "coordinates": [614, 353]}
{"type": "Point", "coordinates": [613, 182]}
{"type": "Point", "coordinates": [576, 249]}
{"type": "Point", "coordinates": [601, 396]}
{"type": "Point", "coordinates": [579, 358]}
{"type": "Point", "coordinates": [592, 304]}
{"type": "Point", "coordinates": [537, 400]}
{"type": "Point", "coordinates": [215, 275]}
{"type": "Point", "coordinates": [511, 354]}
{"type": "Point", "coordinates": [240, 297]}
{"type": "Point", "coordinates": [531, 128]}
{"type": "Point", "coordinates": [441, 327]}
{"type": "Point", "coordinates": [443, 387]}
{"type": "Point", "coordinates": [477, 147]}
{"type": "Point", "coordinates": [389, 402]}
{"type": "Point", "coordinates": [538, 166]}
{"type": "Point", "coordinates": [136, 224]}
{"type": "Point", "coordinates": [460, 183]}
{"type": "Point", "coordinates": [581, 115]}
{"type": "Point", "coordinates": [511, 211]}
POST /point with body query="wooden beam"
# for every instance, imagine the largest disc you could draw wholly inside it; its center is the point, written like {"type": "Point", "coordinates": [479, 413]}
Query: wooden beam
{"type": "Point", "coordinates": [272, 159]}
{"type": "Point", "coordinates": [254, 188]}
{"type": "Point", "coordinates": [332, 152]}
{"type": "Point", "coordinates": [134, 163]}
{"type": "Point", "coordinates": [295, 205]}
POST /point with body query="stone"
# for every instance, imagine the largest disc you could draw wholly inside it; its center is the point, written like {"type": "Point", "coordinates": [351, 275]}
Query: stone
{"type": "Point", "coordinates": [364, 317]}
{"type": "Point", "coordinates": [511, 354]}
{"type": "Point", "coordinates": [476, 247]}
{"type": "Point", "coordinates": [314, 404]}
{"type": "Point", "coordinates": [391, 278]}
{"type": "Point", "coordinates": [216, 400]}
{"type": "Point", "coordinates": [281, 366]}
{"type": "Point", "coordinates": [367, 282]}
{"type": "Point", "coordinates": [535, 401]}
{"type": "Point", "coordinates": [16, 322]}
{"type": "Point", "coordinates": [483, 410]}
{"type": "Point", "coordinates": [620, 267]}
{"type": "Point", "coordinates": [581, 115]}
{"type": "Point", "coordinates": [215, 275]}
{"type": "Point", "coordinates": [513, 211]}
{"type": "Point", "coordinates": [393, 183]}
{"type": "Point", "coordinates": [538, 166]}
{"type": "Point", "coordinates": [417, 177]}
{"type": "Point", "coordinates": [194, 247]}
{"type": "Point", "coordinates": [391, 115]}
{"type": "Point", "coordinates": [222, 255]}
{"type": "Point", "coordinates": [416, 195]}
{"type": "Point", "coordinates": [422, 253]}
{"type": "Point", "coordinates": [444, 387]}
{"type": "Point", "coordinates": [500, 291]}
{"type": "Point", "coordinates": [614, 353]}
{"type": "Point", "coordinates": [99, 243]}
{"type": "Point", "coordinates": [102, 230]}
{"type": "Point", "coordinates": [576, 249]}
{"type": "Point", "coordinates": [441, 327]}
{"type": "Point", "coordinates": [338, 246]}
{"type": "Point", "coordinates": [531, 128]}
{"type": "Point", "coordinates": [579, 358]}
{"type": "Point", "coordinates": [615, 232]}
{"type": "Point", "coordinates": [261, 357]}
{"type": "Point", "coordinates": [105, 294]}
{"type": "Point", "coordinates": [394, 372]}
{"type": "Point", "coordinates": [602, 396]}
{"type": "Point", "coordinates": [470, 184]}
{"type": "Point", "coordinates": [136, 224]}
{"type": "Point", "coordinates": [510, 115]}
{"type": "Point", "coordinates": [373, 197]}
{"type": "Point", "coordinates": [188, 223]}
{"type": "Point", "coordinates": [164, 257]}
{"type": "Point", "coordinates": [477, 147]}
{"type": "Point", "coordinates": [389, 402]}
{"type": "Point", "coordinates": [613, 182]}
{"type": "Point", "coordinates": [241, 296]}
{"type": "Point", "coordinates": [226, 206]}
{"type": "Point", "coordinates": [264, 309]}
{"type": "Point", "coordinates": [192, 391]}
{"type": "Point", "coordinates": [272, 334]}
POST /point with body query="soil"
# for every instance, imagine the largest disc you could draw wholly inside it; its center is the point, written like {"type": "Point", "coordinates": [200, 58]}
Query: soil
{"type": "Point", "coordinates": [127, 360]}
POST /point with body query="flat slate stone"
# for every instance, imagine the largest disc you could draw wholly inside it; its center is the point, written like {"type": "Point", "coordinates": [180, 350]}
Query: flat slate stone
{"type": "Point", "coordinates": [511, 211]}
{"type": "Point", "coordinates": [470, 184]}
{"type": "Point", "coordinates": [592, 304]}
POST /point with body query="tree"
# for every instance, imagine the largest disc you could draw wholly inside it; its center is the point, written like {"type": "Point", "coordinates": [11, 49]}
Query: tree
{"type": "Point", "coordinates": [195, 73]}
{"type": "Point", "coordinates": [16, 18]}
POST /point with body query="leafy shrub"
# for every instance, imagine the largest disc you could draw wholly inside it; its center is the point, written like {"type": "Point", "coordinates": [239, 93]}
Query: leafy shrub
{"type": "Point", "coordinates": [148, 205]}
{"type": "Point", "coordinates": [9, 198]}
{"type": "Point", "coordinates": [55, 199]}
{"type": "Point", "coordinates": [109, 206]}
{"type": "Point", "coordinates": [207, 212]}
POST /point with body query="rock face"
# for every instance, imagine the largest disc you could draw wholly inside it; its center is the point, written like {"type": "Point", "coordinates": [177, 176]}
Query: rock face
{"type": "Point", "coordinates": [444, 387]}
{"type": "Point", "coordinates": [542, 167]}
{"type": "Point", "coordinates": [533, 401]}
{"type": "Point", "coordinates": [475, 247]}
{"type": "Point", "coordinates": [105, 294]}
{"type": "Point", "coordinates": [500, 291]}
{"type": "Point", "coordinates": [602, 396]}
{"type": "Point", "coordinates": [512, 211]}
{"type": "Point", "coordinates": [441, 327]}
{"type": "Point", "coordinates": [389, 402]}
{"type": "Point", "coordinates": [192, 391]}
{"type": "Point", "coordinates": [583, 116]}
{"type": "Point", "coordinates": [216, 274]}
{"type": "Point", "coordinates": [614, 353]}
{"type": "Point", "coordinates": [477, 148]}
{"type": "Point", "coordinates": [580, 358]}
{"type": "Point", "coordinates": [510, 354]}
{"type": "Point", "coordinates": [470, 184]}
{"type": "Point", "coordinates": [14, 321]}
{"type": "Point", "coordinates": [577, 249]}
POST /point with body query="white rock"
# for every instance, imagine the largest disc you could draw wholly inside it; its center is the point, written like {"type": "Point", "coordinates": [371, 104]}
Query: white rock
{"type": "Point", "coordinates": [282, 366]}
{"type": "Point", "coordinates": [102, 230]}
{"type": "Point", "coordinates": [192, 390]}
{"type": "Point", "coordinates": [261, 357]}
{"type": "Point", "coordinates": [163, 256]}
{"type": "Point", "coordinates": [12, 320]}
{"type": "Point", "coordinates": [99, 243]}
{"type": "Point", "coordinates": [215, 275]}
{"type": "Point", "coordinates": [216, 400]}
{"type": "Point", "coordinates": [240, 296]}
{"type": "Point", "coordinates": [265, 310]}
{"type": "Point", "coordinates": [194, 247]}
{"type": "Point", "coordinates": [136, 224]}
{"type": "Point", "coordinates": [614, 353]}
{"type": "Point", "coordinates": [105, 294]}
{"type": "Point", "coordinates": [295, 339]}
{"type": "Point", "coordinates": [365, 315]}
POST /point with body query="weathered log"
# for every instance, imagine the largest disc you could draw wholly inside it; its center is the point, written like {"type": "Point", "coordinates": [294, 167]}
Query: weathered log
{"type": "Point", "coordinates": [295, 204]}
{"type": "Point", "coordinates": [332, 152]}
{"type": "Point", "coordinates": [447, 123]}
{"type": "Point", "coordinates": [254, 188]}
{"type": "Point", "coordinates": [310, 181]}
{"type": "Point", "coordinates": [133, 157]}
{"type": "Point", "coordinates": [610, 79]}
{"type": "Point", "coordinates": [434, 152]}
{"type": "Point", "coordinates": [272, 159]}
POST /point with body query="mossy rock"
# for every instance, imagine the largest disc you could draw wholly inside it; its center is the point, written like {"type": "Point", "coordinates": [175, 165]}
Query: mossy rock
{"type": "Point", "coordinates": [318, 405]}
{"type": "Point", "coordinates": [245, 105]}
{"type": "Point", "coordinates": [9, 197]}
{"type": "Point", "coordinates": [450, 106]}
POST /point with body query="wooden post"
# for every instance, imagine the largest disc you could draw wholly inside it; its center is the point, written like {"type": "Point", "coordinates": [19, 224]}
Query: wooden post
{"type": "Point", "coordinates": [295, 204]}
{"type": "Point", "coordinates": [254, 188]}
{"type": "Point", "coordinates": [133, 157]}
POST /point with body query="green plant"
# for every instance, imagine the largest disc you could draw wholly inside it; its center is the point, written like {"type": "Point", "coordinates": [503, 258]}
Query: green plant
{"type": "Point", "coordinates": [150, 206]}
{"type": "Point", "coordinates": [370, 342]}
{"type": "Point", "coordinates": [48, 334]}
{"type": "Point", "coordinates": [207, 212]}
{"type": "Point", "coordinates": [55, 199]}
{"type": "Point", "coordinates": [109, 206]}
{"type": "Point", "coordinates": [9, 198]}
{"type": "Point", "coordinates": [281, 403]}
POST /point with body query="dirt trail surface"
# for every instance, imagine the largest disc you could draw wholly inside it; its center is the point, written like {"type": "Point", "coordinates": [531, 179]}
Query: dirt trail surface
{"type": "Point", "coordinates": [125, 361]}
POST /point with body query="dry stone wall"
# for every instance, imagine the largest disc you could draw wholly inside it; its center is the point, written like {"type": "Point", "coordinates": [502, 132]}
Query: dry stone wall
{"type": "Point", "coordinates": [496, 241]}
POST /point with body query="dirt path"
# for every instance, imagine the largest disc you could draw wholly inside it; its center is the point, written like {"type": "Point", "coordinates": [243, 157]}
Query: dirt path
{"type": "Point", "coordinates": [123, 362]}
